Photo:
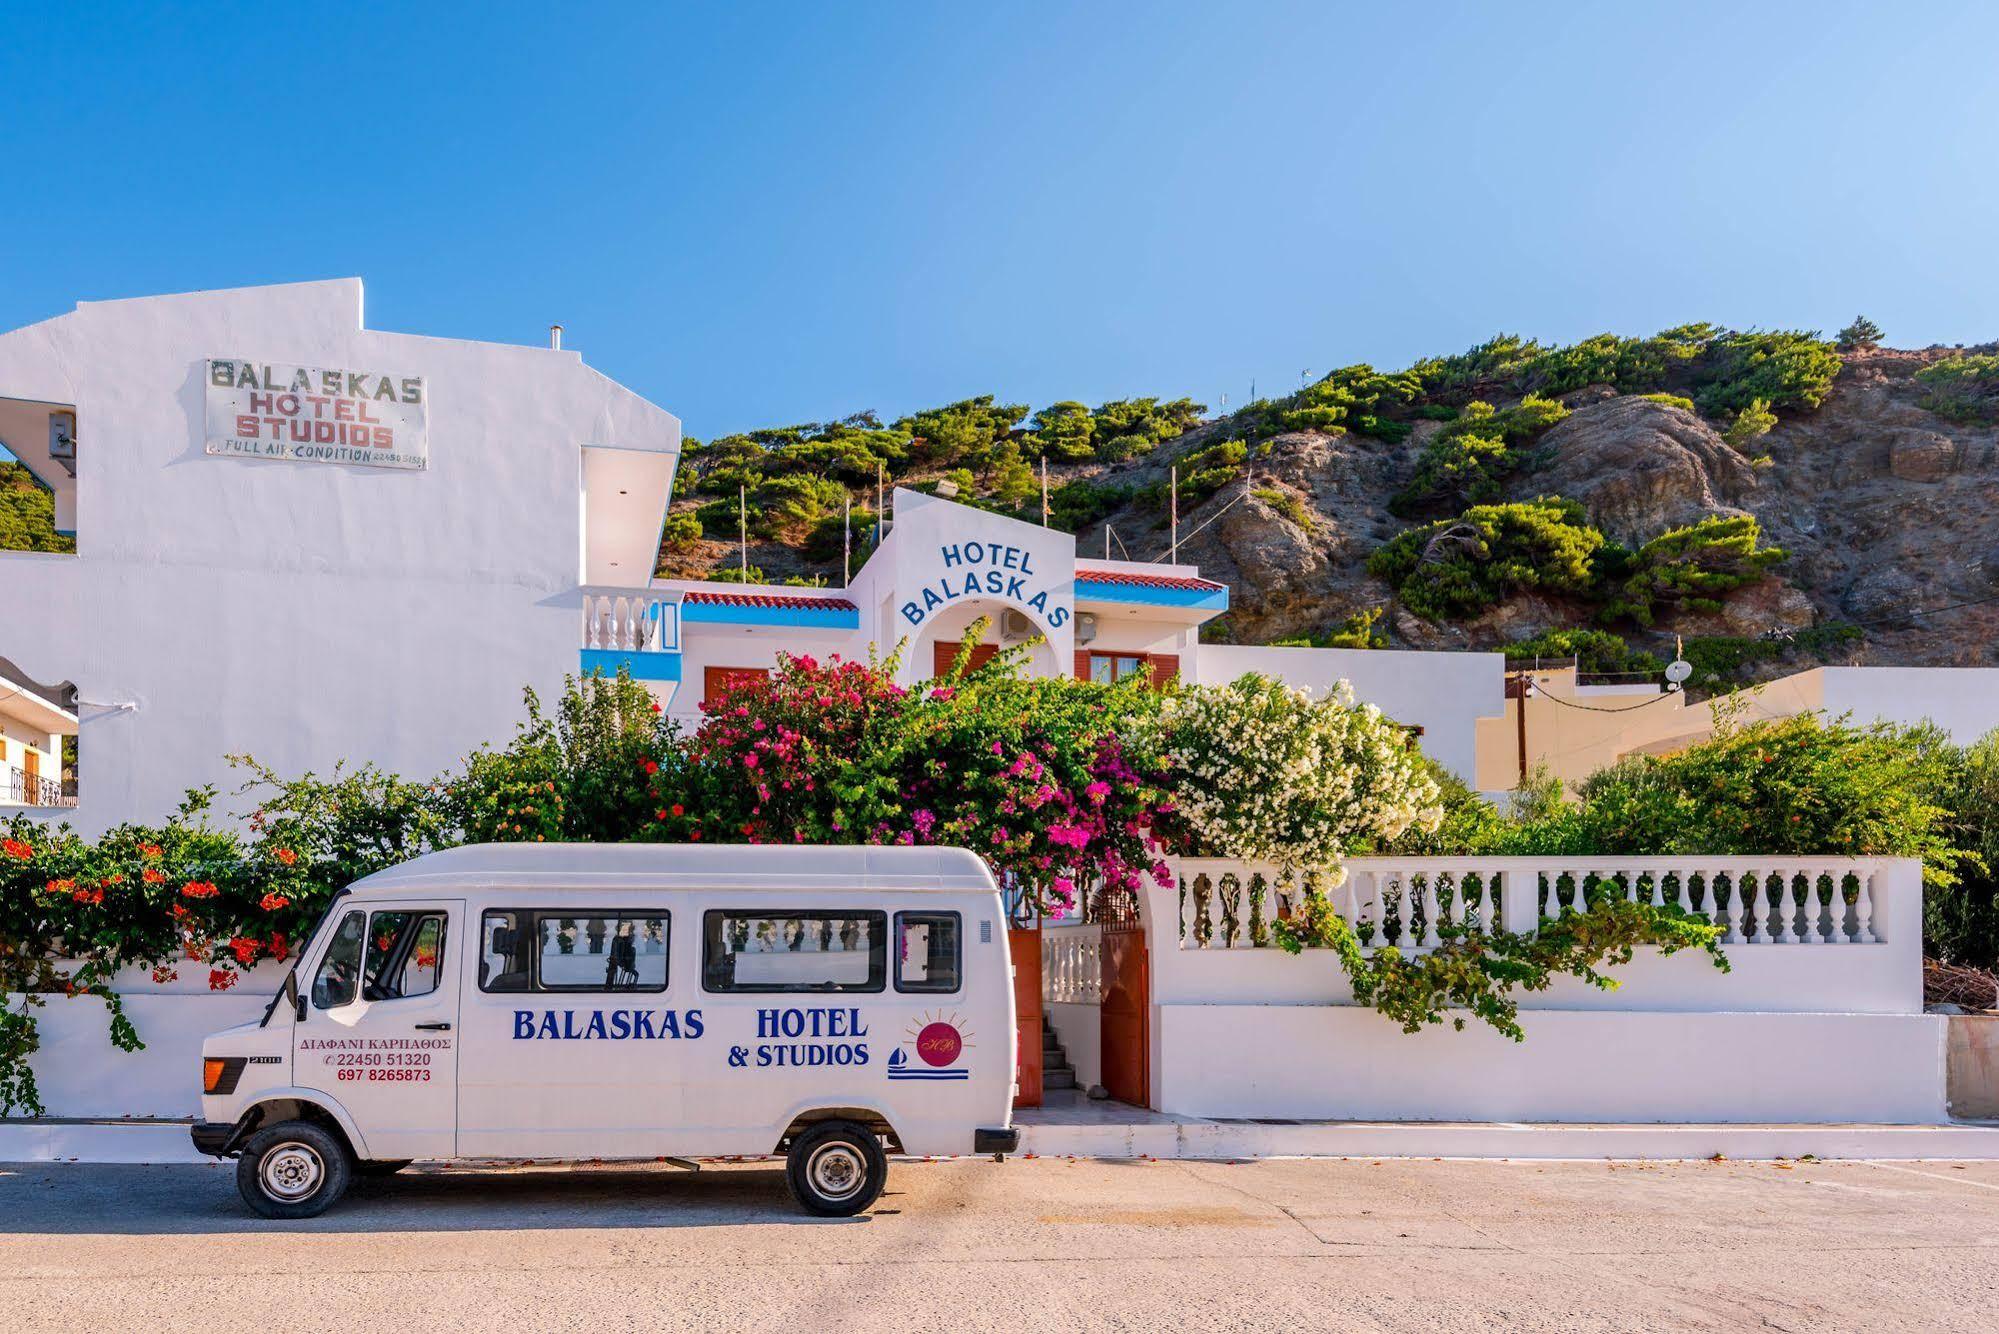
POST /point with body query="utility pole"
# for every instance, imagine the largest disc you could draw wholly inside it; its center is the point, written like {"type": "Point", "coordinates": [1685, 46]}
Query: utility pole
{"type": "Point", "coordinates": [1173, 501]}
{"type": "Point", "coordinates": [1044, 490]}
{"type": "Point", "coordinates": [1107, 539]}
{"type": "Point", "coordinates": [743, 528]}
{"type": "Point", "coordinates": [846, 540]}
{"type": "Point", "coordinates": [881, 514]}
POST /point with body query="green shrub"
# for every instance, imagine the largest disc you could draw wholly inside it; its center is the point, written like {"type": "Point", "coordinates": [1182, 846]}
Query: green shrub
{"type": "Point", "coordinates": [1679, 401]}
{"type": "Point", "coordinates": [1206, 471]}
{"type": "Point", "coordinates": [1010, 478]}
{"type": "Point", "coordinates": [1128, 427]}
{"type": "Point", "coordinates": [967, 429]}
{"type": "Point", "coordinates": [736, 574]}
{"type": "Point", "coordinates": [1595, 651]}
{"type": "Point", "coordinates": [1461, 566]}
{"type": "Point", "coordinates": [1063, 432]}
{"type": "Point", "coordinates": [1720, 659]}
{"type": "Point", "coordinates": [1754, 421]}
{"type": "Point", "coordinates": [719, 519]}
{"type": "Point", "coordinates": [1286, 503]}
{"type": "Point", "coordinates": [1962, 389]}
{"type": "Point", "coordinates": [790, 505]}
{"type": "Point", "coordinates": [1362, 629]}
{"type": "Point", "coordinates": [1961, 922]}
{"type": "Point", "coordinates": [1692, 568]}
{"type": "Point", "coordinates": [1466, 462]}
{"type": "Point", "coordinates": [680, 531]}
{"type": "Point", "coordinates": [1074, 506]}
{"type": "Point", "coordinates": [1785, 369]}
{"type": "Point", "coordinates": [828, 539]}
{"type": "Point", "coordinates": [28, 513]}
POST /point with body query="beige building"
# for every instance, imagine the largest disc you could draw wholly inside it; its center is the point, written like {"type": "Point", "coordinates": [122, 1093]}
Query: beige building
{"type": "Point", "coordinates": [1574, 727]}
{"type": "Point", "coordinates": [33, 729]}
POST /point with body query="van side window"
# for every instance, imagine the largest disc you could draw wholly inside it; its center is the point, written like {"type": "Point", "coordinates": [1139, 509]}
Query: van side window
{"type": "Point", "coordinates": [573, 949]}
{"type": "Point", "coordinates": [405, 954]}
{"type": "Point", "coordinates": [338, 980]}
{"type": "Point", "coordinates": [799, 951]}
{"type": "Point", "coordinates": [926, 951]}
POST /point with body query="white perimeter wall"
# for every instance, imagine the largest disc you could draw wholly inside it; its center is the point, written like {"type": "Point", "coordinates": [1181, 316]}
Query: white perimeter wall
{"type": "Point", "coordinates": [1443, 693]}
{"type": "Point", "coordinates": [1964, 701]}
{"type": "Point", "coordinates": [1080, 1029]}
{"type": "Point", "coordinates": [306, 613]}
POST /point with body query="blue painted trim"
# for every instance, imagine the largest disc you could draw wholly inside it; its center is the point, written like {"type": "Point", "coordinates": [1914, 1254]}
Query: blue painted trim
{"type": "Point", "coordinates": [716, 613]}
{"type": "Point", "coordinates": [644, 666]}
{"type": "Point", "coordinates": [1088, 590]}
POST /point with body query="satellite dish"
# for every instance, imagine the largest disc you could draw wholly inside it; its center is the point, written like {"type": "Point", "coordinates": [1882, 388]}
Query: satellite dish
{"type": "Point", "coordinates": [1678, 670]}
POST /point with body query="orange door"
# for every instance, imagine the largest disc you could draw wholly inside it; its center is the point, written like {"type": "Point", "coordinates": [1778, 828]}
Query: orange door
{"type": "Point", "coordinates": [1125, 1014]}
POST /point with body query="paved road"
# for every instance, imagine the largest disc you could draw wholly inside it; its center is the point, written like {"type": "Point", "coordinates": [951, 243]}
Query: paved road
{"type": "Point", "coordinates": [1045, 1245]}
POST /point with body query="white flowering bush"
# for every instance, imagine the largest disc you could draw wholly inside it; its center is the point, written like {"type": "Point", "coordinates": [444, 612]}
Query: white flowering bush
{"type": "Point", "coordinates": [1264, 772]}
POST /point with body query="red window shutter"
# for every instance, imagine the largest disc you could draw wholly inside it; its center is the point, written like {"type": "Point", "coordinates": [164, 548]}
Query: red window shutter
{"type": "Point", "coordinates": [1165, 667]}
{"type": "Point", "coordinates": [715, 680]}
{"type": "Point", "coordinates": [947, 653]}
{"type": "Point", "coordinates": [1082, 664]}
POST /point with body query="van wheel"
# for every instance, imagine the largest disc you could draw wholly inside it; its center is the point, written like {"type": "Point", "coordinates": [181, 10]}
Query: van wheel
{"type": "Point", "coordinates": [293, 1169]}
{"type": "Point", "coordinates": [380, 1167]}
{"type": "Point", "coordinates": [836, 1169]}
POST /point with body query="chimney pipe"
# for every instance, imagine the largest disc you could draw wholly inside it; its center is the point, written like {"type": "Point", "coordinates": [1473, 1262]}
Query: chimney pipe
{"type": "Point", "coordinates": [555, 338]}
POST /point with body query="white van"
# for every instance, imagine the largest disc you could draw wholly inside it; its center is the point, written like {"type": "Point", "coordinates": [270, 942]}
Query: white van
{"type": "Point", "coordinates": [565, 1001]}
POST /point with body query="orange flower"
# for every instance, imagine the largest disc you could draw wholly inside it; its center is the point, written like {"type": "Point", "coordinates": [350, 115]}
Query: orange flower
{"type": "Point", "coordinates": [220, 979]}
{"type": "Point", "coordinates": [149, 849]}
{"type": "Point", "coordinates": [200, 889]}
{"type": "Point", "coordinates": [273, 902]}
{"type": "Point", "coordinates": [151, 877]}
{"type": "Point", "coordinates": [287, 856]}
{"type": "Point", "coordinates": [14, 847]}
{"type": "Point", "coordinates": [165, 973]}
{"type": "Point", "coordinates": [245, 948]}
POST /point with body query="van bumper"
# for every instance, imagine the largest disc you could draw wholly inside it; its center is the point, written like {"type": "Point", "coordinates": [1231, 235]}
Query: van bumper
{"type": "Point", "coordinates": [213, 1138]}
{"type": "Point", "coordinates": [996, 1141]}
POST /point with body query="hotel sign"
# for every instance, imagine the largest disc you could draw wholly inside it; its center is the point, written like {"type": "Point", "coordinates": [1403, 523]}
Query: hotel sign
{"type": "Point", "coordinates": [987, 569]}
{"type": "Point", "coordinates": [266, 410]}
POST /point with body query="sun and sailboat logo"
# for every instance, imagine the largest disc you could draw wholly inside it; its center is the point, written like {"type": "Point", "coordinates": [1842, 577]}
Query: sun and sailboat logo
{"type": "Point", "coordinates": [939, 1042]}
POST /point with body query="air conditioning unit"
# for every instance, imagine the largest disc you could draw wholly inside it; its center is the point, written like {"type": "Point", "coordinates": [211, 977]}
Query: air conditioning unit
{"type": "Point", "coordinates": [1015, 625]}
{"type": "Point", "coordinates": [1086, 626]}
{"type": "Point", "coordinates": [62, 440]}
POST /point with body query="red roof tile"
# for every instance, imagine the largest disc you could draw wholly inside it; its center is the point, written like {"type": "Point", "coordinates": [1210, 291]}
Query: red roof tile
{"type": "Point", "coordinates": [1130, 579]}
{"type": "Point", "coordinates": [770, 601]}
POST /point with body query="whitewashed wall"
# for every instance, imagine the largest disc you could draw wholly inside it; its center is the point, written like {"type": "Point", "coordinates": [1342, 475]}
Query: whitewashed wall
{"type": "Point", "coordinates": [1443, 693]}
{"type": "Point", "coordinates": [303, 612]}
{"type": "Point", "coordinates": [1964, 701]}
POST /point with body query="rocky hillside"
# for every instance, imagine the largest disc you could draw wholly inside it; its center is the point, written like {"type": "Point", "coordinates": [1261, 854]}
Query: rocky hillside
{"type": "Point", "coordinates": [1773, 498]}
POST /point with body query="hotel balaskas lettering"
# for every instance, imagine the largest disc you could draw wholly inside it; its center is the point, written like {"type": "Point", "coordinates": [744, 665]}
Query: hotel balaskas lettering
{"type": "Point", "coordinates": [318, 415]}
{"type": "Point", "coordinates": [992, 569]}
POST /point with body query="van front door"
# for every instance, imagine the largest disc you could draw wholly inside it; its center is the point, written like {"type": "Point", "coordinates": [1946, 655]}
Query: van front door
{"type": "Point", "coordinates": [378, 1034]}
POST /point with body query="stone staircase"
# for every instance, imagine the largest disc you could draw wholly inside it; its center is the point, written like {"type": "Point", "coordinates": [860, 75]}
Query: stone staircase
{"type": "Point", "coordinates": [1056, 1072]}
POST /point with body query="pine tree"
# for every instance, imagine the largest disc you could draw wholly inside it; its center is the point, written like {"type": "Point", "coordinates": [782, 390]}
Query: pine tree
{"type": "Point", "coordinates": [1860, 335]}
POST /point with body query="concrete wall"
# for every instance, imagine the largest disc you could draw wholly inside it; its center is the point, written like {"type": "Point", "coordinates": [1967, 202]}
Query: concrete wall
{"type": "Point", "coordinates": [1080, 1028]}
{"type": "Point", "coordinates": [306, 613]}
{"type": "Point", "coordinates": [1443, 693]}
{"type": "Point", "coordinates": [1964, 701]}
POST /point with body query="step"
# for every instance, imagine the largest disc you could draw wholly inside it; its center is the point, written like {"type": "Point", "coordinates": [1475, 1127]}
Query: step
{"type": "Point", "coordinates": [1060, 1077]}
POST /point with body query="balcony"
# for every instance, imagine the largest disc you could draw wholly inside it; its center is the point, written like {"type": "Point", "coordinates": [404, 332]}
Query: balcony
{"type": "Point", "coordinates": [636, 629]}
{"type": "Point", "coordinates": [24, 789]}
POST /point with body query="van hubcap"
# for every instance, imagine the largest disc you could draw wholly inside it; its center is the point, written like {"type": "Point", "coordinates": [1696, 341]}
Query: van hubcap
{"type": "Point", "coordinates": [836, 1171]}
{"type": "Point", "coordinates": [291, 1171]}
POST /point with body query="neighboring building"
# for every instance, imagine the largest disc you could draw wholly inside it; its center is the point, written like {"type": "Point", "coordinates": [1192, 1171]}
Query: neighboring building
{"type": "Point", "coordinates": [307, 540]}
{"type": "Point", "coordinates": [1574, 728]}
{"type": "Point", "coordinates": [34, 726]}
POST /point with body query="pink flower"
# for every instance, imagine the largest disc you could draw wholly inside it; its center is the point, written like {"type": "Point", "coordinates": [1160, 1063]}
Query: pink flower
{"type": "Point", "coordinates": [997, 750]}
{"type": "Point", "coordinates": [749, 761]}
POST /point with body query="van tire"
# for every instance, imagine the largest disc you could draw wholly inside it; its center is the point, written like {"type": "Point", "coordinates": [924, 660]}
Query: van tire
{"type": "Point", "coordinates": [836, 1169]}
{"type": "Point", "coordinates": [293, 1169]}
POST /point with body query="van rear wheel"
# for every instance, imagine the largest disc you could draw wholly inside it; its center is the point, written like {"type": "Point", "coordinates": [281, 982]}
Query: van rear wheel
{"type": "Point", "coordinates": [836, 1169]}
{"type": "Point", "coordinates": [293, 1169]}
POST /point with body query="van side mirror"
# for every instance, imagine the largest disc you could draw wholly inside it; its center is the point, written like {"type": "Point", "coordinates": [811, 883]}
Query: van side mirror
{"type": "Point", "coordinates": [294, 996]}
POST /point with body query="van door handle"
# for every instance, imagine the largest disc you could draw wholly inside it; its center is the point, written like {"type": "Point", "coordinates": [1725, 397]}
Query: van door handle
{"type": "Point", "coordinates": [433, 1028]}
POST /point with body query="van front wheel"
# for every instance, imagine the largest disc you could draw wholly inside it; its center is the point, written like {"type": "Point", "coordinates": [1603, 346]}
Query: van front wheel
{"type": "Point", "coordinates": [836, 1169]}
{"type": "Point", "coordinates": [293, 1169]}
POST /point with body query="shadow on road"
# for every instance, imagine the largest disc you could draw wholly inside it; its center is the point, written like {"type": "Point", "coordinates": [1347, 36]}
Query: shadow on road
{"type": "Point", "coordinates": [77, 1199]}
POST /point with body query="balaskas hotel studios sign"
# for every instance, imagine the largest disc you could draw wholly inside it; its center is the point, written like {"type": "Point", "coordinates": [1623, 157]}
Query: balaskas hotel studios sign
{"type": "Point", "coordinates": [266, 411]}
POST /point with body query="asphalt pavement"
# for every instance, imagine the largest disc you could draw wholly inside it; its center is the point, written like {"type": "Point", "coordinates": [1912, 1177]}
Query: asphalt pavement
{"type": "Point", "coordinates": [1045, 1244]}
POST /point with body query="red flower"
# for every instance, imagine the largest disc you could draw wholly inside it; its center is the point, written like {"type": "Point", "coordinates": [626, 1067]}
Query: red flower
{"type": "Point", "coordinates": [220, 979]}
{"type": "Point", "coordinates": [59, 886]}
{"type": "Point", "coordinates": [652, 766]}
{"type": "Point", "coordinates": [88, 896]}
{"type": "Point", "coordinates": [151, 877]}
{"type": "Point", "coordinates": [280, 948]}
{"type": "Point", "coordinates": [165, 973]}
{"type": "Point", "coordinates": [678, 809]}
{"type": "Point", "coordinates": [149, 849]}
{"type": "Point", "coordinates": [273, 902]}
{"type": "Point", "coordinates": [245, 948]}
{"type": "Point", "coordinates": [14, 847]}
{"type": "Point", "coordinates": [287, 856]}
{"type": "Point", "coordinates": [200, 889]}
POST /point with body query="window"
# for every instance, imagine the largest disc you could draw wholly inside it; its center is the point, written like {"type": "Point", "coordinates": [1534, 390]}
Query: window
{"type": "Point", "coordinates": [1108, 667]}
{"type": "Point", "coordinates": [338, 980]}
{"type": "Point", "coordinates": [405, 955]}
{"type": "Point", "coordinates": [571, 949]}
{"type": "Point", "coordinates": [926, 951]}
{"type": "Point", "coordinates": [799, 951]}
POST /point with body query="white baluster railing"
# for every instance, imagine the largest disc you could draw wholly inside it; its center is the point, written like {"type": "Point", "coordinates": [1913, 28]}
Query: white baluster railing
{"type": "Point", "coordinates": [1072, 964]}
{"type": "Point", "coordinates": [631, 620]}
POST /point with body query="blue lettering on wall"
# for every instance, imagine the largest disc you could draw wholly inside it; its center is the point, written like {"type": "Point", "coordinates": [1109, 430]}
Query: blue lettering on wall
{"type": "Point", "coordinates": [961, 580]}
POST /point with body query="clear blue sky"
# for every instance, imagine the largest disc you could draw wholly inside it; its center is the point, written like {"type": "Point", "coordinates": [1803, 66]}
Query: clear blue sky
{"type": "Point", "coordinates": [754, 214]}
